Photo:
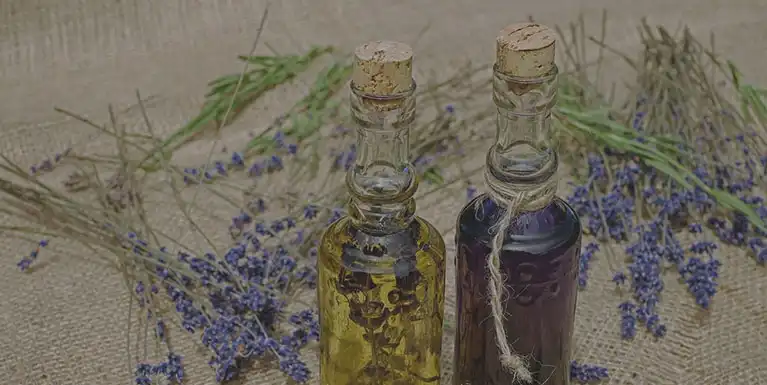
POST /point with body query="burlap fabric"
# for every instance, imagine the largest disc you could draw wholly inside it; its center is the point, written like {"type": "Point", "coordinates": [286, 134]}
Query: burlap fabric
{"type": "Point", "coordinates": [66, 323]}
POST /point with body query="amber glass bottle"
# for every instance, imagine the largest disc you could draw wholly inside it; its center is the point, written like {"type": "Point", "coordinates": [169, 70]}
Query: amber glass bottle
{"type": "Point", "coordinates": [538, 243]}
{"type": "Point", "coordinates": [381, 268]}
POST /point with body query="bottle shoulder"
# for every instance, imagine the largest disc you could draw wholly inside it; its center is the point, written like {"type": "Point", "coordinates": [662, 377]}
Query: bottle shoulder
{"type": "Point", "coordinates": [434, 240]}
{"type": "Point", "coordinates": [554, 226]}
{"type": "Point", "coordinates": [345, 244]}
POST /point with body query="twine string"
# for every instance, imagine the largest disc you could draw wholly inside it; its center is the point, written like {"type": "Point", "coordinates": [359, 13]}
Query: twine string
{"type": "Point", "coordinates": [515, 200]}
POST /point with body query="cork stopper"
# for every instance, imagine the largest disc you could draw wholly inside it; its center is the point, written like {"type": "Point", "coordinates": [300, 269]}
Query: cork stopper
{"type": "Point", "coordinates": [383, 68]}
{"type": "Point", "coordinates": [525, 50]}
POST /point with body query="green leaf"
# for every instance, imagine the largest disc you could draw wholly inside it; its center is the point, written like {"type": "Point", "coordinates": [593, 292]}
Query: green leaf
{"type": "Point", "coordinates": [666, 169]}
{"type": "Point", "coordinates": [260, 60]}
{"type": "Point", "coordinates": [433, 175]}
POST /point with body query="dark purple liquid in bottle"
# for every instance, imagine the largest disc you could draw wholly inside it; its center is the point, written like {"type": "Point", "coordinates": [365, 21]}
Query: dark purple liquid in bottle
{"type": "Point", "coordinates": [539, 260]}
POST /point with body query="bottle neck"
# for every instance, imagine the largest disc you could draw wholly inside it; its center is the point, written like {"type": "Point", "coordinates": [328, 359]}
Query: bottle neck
{"type": "Point", "coordinates": [524, 156]}
{"type": "Point", "coordinates": [382, 181]}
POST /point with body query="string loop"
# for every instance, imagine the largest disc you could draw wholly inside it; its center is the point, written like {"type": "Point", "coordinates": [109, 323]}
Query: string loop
{"type": "Point", "coordinates": [515, 199]}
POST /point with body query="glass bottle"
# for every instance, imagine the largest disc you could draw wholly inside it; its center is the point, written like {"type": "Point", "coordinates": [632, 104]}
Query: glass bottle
{"type": "Point", "coordinates": [536, 235]}
{"type": "Point", "coordinates": [381, 268]}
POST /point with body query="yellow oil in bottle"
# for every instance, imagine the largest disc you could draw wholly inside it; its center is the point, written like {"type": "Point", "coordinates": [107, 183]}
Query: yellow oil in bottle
{"type": "Point", "coordinates": [381, 301]}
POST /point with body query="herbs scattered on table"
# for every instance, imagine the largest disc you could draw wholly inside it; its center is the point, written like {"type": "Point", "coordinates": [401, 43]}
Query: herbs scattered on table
{"type": "Point", "coordinates": [668, 178]}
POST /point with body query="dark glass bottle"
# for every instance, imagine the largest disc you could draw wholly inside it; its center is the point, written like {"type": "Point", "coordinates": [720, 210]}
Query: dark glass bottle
{"type": "Point", "coordinates": [540, 248]}
{"type": "Point", "coordinates": [381, 268]}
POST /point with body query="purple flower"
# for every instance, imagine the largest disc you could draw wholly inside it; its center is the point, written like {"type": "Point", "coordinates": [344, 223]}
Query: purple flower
{"type": "Point", "coordinates": [584, 263]}
{"type": "Point", "coordinates": [172, 369]}
{"type": "Point", "coordinates": [700, 278]}
{"type": "Point", "coordinates": [628, 320]}
{"type": "Point", "coordinates": [619, 278]}
{"type": "Point", "coordinates": [26, 262]}
{"type": "Point", "coordinates": [585, 373]}
{"type": "Point", "coordinates": [471, 192]}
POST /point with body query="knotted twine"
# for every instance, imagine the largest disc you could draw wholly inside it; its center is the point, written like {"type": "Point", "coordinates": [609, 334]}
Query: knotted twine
{"type": "Point", "coordinates": [515, 199]}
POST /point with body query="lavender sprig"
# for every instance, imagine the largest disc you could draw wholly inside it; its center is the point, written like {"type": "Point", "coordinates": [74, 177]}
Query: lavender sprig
{"type": "Point", "coordinates": [587, 374]}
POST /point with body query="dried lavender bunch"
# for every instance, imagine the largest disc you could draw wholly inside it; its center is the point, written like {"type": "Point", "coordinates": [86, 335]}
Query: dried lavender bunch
{"type": "Point", "coordinates": [240, 301]}
{"type": "Point", "coordinates": [236, 301]}
{"type": "Point", "coordinates": [650, 203]}
{"type": "Point", "coordinates": [632, 202]}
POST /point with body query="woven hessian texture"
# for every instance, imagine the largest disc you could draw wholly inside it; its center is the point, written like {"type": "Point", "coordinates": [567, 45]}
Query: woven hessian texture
{"type": "Point", "coordinates": [66, 323]}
